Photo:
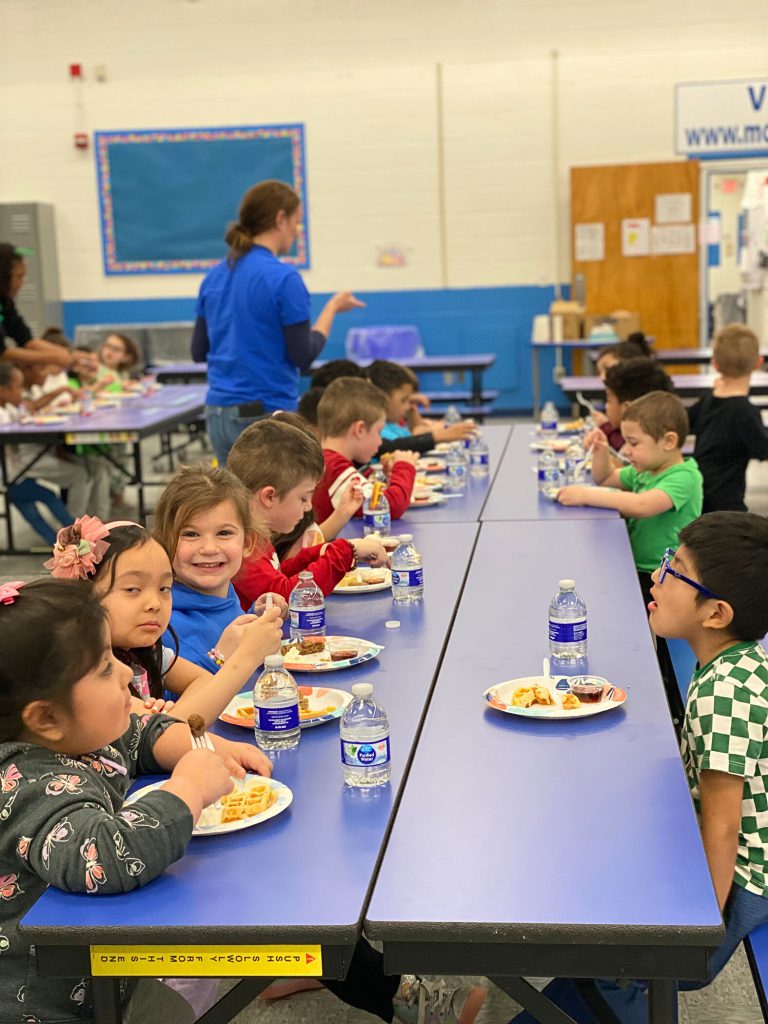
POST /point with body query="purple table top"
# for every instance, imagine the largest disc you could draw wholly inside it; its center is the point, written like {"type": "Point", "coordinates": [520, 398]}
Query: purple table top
{"type": "Point", "coordinates": [249, 886]}
{"type": "Point", "coordinates": [522, 830]}
{"type": "Point", "coordinates": [145, 414]}
{"type": "Point", "coordinates": [687, 385]}
{"type": "Point", "coordinates": [515, 494]}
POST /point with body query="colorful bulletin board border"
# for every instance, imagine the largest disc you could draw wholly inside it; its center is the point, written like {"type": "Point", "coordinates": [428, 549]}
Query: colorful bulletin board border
{"type": "Point", "coordinates": [166, 197]}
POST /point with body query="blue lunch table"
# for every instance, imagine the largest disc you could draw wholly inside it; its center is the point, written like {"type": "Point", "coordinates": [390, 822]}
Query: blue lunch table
{"type": "Point", "coordinates": [530, 847]}
{"type": "Point", "coordinates": [304, 876]}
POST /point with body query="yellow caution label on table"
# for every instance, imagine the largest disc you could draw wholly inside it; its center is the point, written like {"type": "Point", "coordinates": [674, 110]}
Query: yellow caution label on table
{"type": "Point", "coordinates": [102, 437]}
{"type": "Point", "coordinates": [237, 961]}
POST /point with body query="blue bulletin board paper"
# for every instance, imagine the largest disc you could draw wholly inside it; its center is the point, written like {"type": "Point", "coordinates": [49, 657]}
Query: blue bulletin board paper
{"type": "Point", "coordinates": [167, 196]}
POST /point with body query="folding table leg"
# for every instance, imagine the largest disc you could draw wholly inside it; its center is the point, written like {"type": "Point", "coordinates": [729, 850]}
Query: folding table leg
{"type": "Point", "coordinates": [537, 1004]}
{"type": "Point", "coordinates": [662, 1002]}
{"type": "Point", "coordinates": [137, 472]}
{"type": "Point", "coordinates": [107, 1008]}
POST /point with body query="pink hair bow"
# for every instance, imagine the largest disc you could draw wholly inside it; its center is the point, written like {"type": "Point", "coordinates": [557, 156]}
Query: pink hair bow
{"type": "Point", "coordinates": [10, 591]}
{"type": "Point", "coordinates": [78, 549]}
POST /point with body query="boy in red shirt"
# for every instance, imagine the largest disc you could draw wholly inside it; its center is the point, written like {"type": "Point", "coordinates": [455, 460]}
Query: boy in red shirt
{"type": "Point", "coordinates": [280, 465]}
{"type": "Point", "coordinates": [351, 415]}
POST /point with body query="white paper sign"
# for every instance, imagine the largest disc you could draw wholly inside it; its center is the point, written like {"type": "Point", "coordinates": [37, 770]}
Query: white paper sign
{"type": "Point", "coordinates": [674, 208]}
{"type": "Point", "coordinates": [636, 237]}
{"type": "Point", "coordinates": [722, 117]}
{"type": "Point", "coordinates": [589, 241]}
{"type": "Point", "coordinates": [673, 241]}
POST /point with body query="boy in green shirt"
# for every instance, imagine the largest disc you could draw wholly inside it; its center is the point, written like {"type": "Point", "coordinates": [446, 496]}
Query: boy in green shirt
{"type": "Point", "coordinates": [713, 593]}
{"type": "Point", "coordinates": [659, 492]}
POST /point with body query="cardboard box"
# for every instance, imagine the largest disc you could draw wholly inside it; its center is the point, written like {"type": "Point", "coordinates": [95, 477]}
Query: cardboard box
{"type": "Point", "coordinates": [623, 323]}
{"type": "Point", "coordinates": [572, 316]}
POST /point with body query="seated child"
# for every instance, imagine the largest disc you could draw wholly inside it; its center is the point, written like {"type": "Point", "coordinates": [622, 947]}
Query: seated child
{"type": "Point", "coordinates": [60, 467]}
{"type": "Point", "coordinates": [624, 382]}
{"type": "Point", "coordinates": [713, 592]}
{"type": "Point", "coordinates": [351, 414]}
{"type": "Point", "coordinates": [729, 429]}
{"type": "Point", "coordinates": [307, 409]}
{"type": "Point", "coordinates": [280, 466]}
{"type": "Point", "coordinates": [203, 519]}
{"type": "Point", "coordinates": [334, 369]}
{"type": "Point", "coordinates": [118, 356]}
{"type": "Point", "coordinates": [65, 696]}
{"type": "Point", "coordinates": [399, 384]}
{"type": "Point", "coordinates": [132, 576]}
{"type": "Point", "coordinates": [659, 492]}
{"type": "Point", "coordinates": [636, 346]}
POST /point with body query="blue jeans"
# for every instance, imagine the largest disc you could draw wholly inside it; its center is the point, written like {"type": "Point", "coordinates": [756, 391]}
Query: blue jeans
{"type": "Point", "coordinates": [27, 495]}
{"type": "Point", "coordinates": [744, 911]}
{"type": "Point", "coordinates": [224, 425]}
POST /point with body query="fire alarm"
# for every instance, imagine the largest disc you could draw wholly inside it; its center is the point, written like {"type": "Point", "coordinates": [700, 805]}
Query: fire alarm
{"type": "Point", "coordinates": [81, 140]}
{"type": "Point", "coordinates": [75, 70]}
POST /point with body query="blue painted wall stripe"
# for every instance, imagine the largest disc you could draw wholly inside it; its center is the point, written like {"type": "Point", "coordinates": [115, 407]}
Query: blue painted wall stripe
{"type": "Point", "coordinates": [453, 320]}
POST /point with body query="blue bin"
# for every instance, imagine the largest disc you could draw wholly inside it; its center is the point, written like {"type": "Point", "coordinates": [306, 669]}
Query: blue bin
{"type": "Point", "coordinates": [383, 343]}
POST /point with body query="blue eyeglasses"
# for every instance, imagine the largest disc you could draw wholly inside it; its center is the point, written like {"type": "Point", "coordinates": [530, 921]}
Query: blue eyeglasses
{"type": "Point", "coordinates": [665, 568]}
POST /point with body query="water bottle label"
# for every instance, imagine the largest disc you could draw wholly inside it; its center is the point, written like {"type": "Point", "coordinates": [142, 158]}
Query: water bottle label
{"type": "Point", "coordinates": [311, 618]}
{"type": "Point", "coordinates": [456, 469]}
{"type": "Point", "coordinates": [408, 577]}
{"type": "Point", "coordinates": [549, 475]}
{"type": "Point", "coordinates": [574, 632]}
{"type": "Point", "coordinates": [283, 719]}
{"type": "Point", "coordinates": [480, 459]}
{"type": "Point", "coordinates": [378, 520]}
{"type": "Point", "coordinates": [365, 755]}
{"type": "Point", "coordinates": [548, 425]}
{"type": "Point", "coordinates": [468, 442]}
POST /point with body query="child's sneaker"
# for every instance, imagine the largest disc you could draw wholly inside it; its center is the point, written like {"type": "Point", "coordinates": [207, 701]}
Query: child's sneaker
{"type": "Point", "coordinates": [418, 1001]}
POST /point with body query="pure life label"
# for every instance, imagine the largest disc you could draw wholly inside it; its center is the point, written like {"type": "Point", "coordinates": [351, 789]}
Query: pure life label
{"type": "Point", "coordinates": [568, 632]}
{"type": "Point", "coordinates": [722, 117]}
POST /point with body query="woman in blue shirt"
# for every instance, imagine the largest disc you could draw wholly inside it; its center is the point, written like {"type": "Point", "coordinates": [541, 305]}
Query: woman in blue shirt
{"type": "Point", "coordinates": [253, 318]}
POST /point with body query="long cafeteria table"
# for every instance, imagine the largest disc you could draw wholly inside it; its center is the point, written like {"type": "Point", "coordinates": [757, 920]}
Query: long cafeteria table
{"type": "Point", "coordinates": [515, 494]}
{"type": "Point", "coordinates": [526, 847]}
{"type": "Point", "coordinates": [303, 877]}
{"type": "Point", "coordinates": [475, 364]}
{"type": "Point", "coordinates": [687, 385]}
{"type": "Point", "coordinates": [129, 421]}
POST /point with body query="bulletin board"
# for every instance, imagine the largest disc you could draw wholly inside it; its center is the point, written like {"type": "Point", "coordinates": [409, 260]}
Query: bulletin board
{"type": "Point", "coordinates": [167, 197]}
{"type": "Point", "coordinates": [654, 270]}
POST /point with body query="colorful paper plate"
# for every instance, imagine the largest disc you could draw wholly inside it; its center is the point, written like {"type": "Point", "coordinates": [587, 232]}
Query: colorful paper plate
{"type": "Point", "coordinates": [366, 588]}
{"type": "Point", "coordinates": [321, 699]}
{"type": "Point", "coordinates": [209, 822]}
{"type": "Point", "coordinates": [500, 696]}
{"type": "Point", "coordinates": [310, 663]}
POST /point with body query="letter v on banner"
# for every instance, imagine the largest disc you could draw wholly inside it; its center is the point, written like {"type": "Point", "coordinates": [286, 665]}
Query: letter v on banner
{"type": "Point", "coordinates": [756, 100]}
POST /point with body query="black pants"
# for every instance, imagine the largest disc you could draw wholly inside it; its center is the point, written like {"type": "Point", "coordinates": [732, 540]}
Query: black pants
{"type": "Point", "coordinates": [666, 667]}
{"type": "Point", "coordinates": [366, 986]}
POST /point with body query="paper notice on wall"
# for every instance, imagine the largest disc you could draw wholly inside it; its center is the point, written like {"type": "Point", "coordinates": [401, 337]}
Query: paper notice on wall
{"type": "Point", "coordinates": [589, 242]}
{"type": "Point", "coordinates": [636, 237]}
{"type": "Point", "coordinates": [674, 208]}
{"type": "Point", "coordinates": [673, 241]}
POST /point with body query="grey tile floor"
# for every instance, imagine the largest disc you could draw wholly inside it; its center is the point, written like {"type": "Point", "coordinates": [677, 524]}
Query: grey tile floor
{"type": "Point", "coordinates": [731, 999]}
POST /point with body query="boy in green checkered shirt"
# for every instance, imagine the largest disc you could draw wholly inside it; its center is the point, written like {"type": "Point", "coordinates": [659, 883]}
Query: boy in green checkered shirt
{"type": "Point", "coordinates": [713, 593]}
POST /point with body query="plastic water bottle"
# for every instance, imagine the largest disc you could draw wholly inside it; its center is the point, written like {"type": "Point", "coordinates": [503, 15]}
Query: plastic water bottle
{"type": "Point", "coordinates": [549, 473]}
{"type": "Point", "coordinates": [276, 707]}
{"type": "Point", "coordinates": [574, 463]}
{"type": "Point", "coordinates": [456, 466]}
{"type": "Point", "coordinates": [479, 458]}
{"type": "Point", "coordinates": [567, 624]}
{"type": "Point", "coordinates": [306, 605]}
{"type": "Point", "coordinates": [407, 571]}
{"type": "Point", "coordinates": [452, 416]}
{"type": "Point", "coordinates": [549, 420]}
{"type": "Point", "coordinates": [376, 519]}
{"type": "Point", "coordinates": [364, 734]}
{"type": "Point", "coordinates": [86, 402]}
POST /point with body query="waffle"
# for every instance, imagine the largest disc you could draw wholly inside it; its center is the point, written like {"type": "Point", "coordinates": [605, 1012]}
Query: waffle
{"type": "Point", "coordinates": [245, 803]}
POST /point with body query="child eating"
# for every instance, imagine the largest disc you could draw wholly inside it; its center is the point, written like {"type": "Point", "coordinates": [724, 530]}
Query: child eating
{"type": "Point", "coordinates": [204, 519]}
{"type": "Point", "coordinates": [280, 466]}
{"type": "Point", "coordinates": [132, 576]}
{"type": "Point", "coordinates": [351, 415]}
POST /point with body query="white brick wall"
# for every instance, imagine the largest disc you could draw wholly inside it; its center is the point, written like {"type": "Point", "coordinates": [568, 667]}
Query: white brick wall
{"type": "Point", "coordinates": [361, 75]}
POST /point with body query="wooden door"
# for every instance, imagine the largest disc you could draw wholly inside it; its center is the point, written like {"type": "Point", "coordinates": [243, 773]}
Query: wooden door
{"type": "Point", "coordinates": [664, 289]}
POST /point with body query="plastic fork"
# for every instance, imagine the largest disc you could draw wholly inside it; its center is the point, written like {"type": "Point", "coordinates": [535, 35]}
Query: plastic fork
{"type": "Point", "coordinates": [205, 742]}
